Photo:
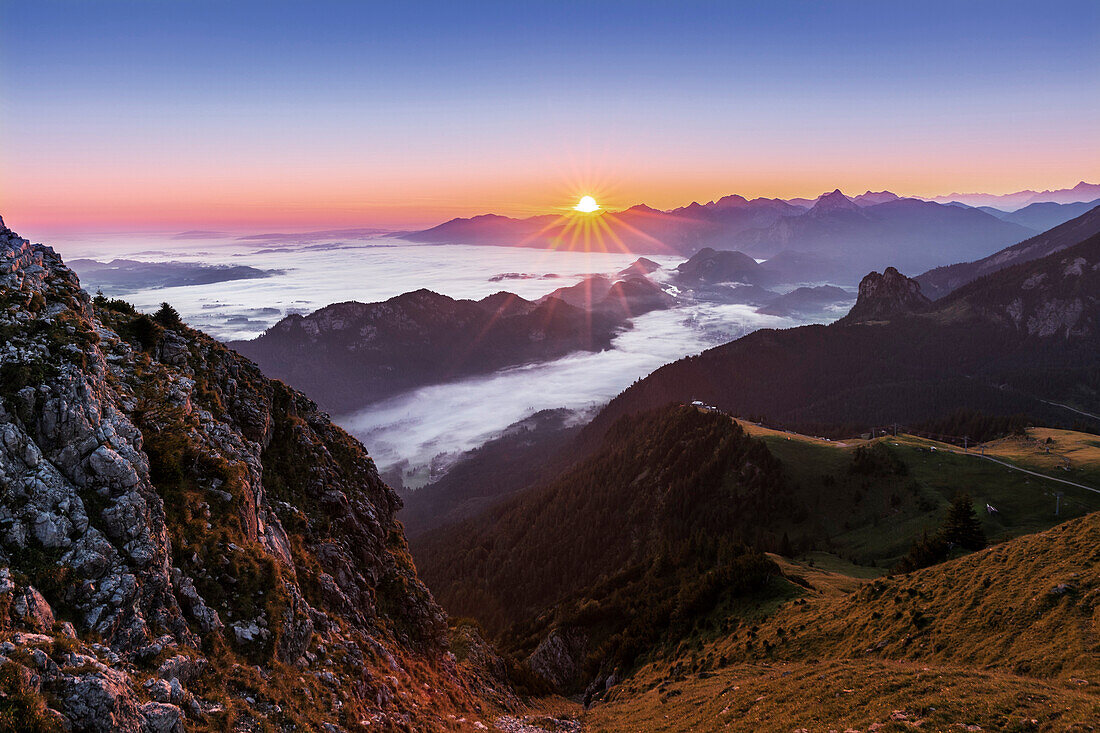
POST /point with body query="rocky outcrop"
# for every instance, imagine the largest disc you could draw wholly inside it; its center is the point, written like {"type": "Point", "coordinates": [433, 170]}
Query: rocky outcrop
{"type": "Point", "coordinates": [1058, 296]}
{"type": "Point", "coordinates": [885, 296]}
{"type": "Point", "coordinates": [559, 658]}
{"type": "Point", "coordinates": [183, 540]}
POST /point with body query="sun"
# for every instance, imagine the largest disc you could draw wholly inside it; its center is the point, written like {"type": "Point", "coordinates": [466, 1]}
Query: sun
{"type": "Point", "coordinates": [586, 205]}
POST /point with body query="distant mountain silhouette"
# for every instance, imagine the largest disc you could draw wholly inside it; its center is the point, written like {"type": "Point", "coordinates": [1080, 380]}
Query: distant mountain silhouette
{"type": "Point", "coordinates": [846, 237]}
{"type": "Point", "coordinates": [834, 202]}
{"type": "Point", "coordinates": [806, 300]}
{"type": "Point", "coordinates": [871, 198]}
{"type": "Point", "coordinates": [1047, 214]}
{"type": "Point", "coordinates": [1012, 201]}
{"type": "Point", "coordinates": [942, 280]}
{"type": "Point", "coordinates": [906, 233]}
{"type": "Point", "coordinates": [638, 229]}
{"type": "Point", "coordinates": [1081, 192]}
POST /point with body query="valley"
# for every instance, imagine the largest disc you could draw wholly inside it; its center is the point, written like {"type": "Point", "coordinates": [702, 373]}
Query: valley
{"type": "Point", "coordinates": [549, 367]}
{"type": "Point", "coordinates": [866, 522]}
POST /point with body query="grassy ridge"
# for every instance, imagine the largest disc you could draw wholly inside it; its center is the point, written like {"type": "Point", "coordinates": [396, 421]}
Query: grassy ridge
{"type": "Point", "coordinates": [872, 517]}
{"type": "Point", "coordinates": [1005, 638]}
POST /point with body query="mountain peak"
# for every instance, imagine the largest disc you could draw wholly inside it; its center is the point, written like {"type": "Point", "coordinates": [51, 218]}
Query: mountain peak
{"type": "Point", "coordinates": [875, 197]}
{"type": "Point", "coordinates": [731, 201]}
{"type": "Point", "coordinates": [834, 201]}
{"type": "Point", "coordinates": [885, 295]}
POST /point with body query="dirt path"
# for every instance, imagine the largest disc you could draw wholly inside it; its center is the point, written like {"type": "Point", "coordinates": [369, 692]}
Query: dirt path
{"type": "Point", "coordinates": [1033, 473]}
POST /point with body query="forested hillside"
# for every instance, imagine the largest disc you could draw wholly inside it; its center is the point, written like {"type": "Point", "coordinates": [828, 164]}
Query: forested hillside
{"type": "Point", "coordinates": [640, 538]}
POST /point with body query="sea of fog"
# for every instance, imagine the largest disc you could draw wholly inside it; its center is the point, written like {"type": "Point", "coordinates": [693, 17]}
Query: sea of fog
{"type": "Point", "coordinates": [319, 273]}
{"type": "Point", "coordinates": [421, 431]}
{"type": "Point", "coordinates": [433, 424]}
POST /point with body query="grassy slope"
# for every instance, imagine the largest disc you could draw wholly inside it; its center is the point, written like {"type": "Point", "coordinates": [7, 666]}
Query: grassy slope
{"type": "Point", "coordinates": [983, 640]}
{"type": "Point", "coordinates": [1070, 455]}
{"type": "Point", "coordinates": [849, 695]}
{"type": "Point", "coordinates": [874, 519]}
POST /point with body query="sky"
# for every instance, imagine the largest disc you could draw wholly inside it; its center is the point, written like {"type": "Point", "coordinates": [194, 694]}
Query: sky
{"type": "Point", "coordinates": [199, 114]}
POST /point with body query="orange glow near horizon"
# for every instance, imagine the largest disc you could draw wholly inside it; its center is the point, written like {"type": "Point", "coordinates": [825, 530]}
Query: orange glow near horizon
{"type": "Point", "coordinates": [141, 117]}
{"type": "Point", "coordinates": [46, 200]}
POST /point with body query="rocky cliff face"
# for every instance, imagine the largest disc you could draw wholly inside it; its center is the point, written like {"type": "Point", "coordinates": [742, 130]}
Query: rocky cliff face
{"type": "Point", "coordinates": [943, 280]}
{"type": "Point", "coordinates": [185, 542]}
{"type": "Point", "coordinates": [885, 296]}
{"type": "Point", "coordinates": [1057, 296]}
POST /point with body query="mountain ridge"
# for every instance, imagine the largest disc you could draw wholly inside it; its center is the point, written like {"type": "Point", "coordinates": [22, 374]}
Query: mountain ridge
{"type": "Point", "coordinates": [908, 233]}
{"type": "Point", "coordinates": [1011, 342]}
{"type": "Point", "coordinates": [940, 281]}
{"type": "Point", "coordinates": [350, 354]}
{"type": "Point", "coordinates": [185, 540]}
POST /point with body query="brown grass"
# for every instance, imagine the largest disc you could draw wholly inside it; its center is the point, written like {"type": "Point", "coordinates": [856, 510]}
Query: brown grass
{"type": "Point", "coordinates": [997, 639]}
{"type": "Point", "coordinates": [847, 695]}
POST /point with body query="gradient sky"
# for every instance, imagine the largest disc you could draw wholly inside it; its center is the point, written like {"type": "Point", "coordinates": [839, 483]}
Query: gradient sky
{"type": "Point", "coordinates": [162, 114]}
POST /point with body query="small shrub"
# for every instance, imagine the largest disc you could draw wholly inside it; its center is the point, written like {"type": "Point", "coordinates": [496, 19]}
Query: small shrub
{"type": "Point", "coordinates": [102, 302]}
{"type": "Point", "coordinates": [141, 331]}
{"type": "Point", "coordinates": [20, 708]}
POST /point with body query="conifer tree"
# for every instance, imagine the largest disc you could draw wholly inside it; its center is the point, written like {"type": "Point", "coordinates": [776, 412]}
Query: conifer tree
{"type": "Point", "coordinates": [167, 316]}
{"type": "Point", "coordinates": [962, 526]}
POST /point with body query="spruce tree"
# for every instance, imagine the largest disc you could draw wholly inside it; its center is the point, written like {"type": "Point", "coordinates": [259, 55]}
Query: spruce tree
{"type": "Point", "coordinates": [167, 316]}
{"type": "Point", "coordinates": [962, 526]}
{"type": "Point", "coordinates": [785, 547]}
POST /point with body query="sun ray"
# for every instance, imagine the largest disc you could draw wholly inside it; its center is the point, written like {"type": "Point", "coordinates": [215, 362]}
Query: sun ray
{"type": "Point", "coordinates": [634, 230]}
{"type": "Point", "coordinates": [614, 237]}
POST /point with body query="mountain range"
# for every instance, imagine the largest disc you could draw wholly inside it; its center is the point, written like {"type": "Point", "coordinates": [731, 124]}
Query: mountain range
{"type": "Point", "coordinates": [843, 237]}
{"type": "Point", "coordinates": [1012, 348]}
{"type": "Point", "coordinates": [1014, 341]}
{"type": "Point", "coordinates": [1046, 215]}
{"type": "Point", "coordinates": [1018, 200]}
{"type": "Point", "coordinates": [786, 367]}
{"type": "Point", "coordinates": [187, 543]}
{"type": "Point", "coordinates": [351, 354]}
{"type": "Point", "coordinates": [942, 280]}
